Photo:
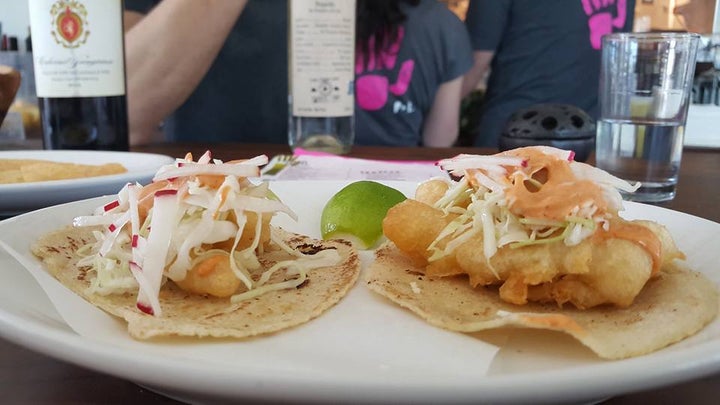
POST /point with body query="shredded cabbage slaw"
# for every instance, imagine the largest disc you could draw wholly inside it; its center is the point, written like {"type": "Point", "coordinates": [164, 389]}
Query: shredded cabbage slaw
{"type": "Point", "coordinates": [188, 207]}
{"type": "Point", "coordinates": [483, 209]}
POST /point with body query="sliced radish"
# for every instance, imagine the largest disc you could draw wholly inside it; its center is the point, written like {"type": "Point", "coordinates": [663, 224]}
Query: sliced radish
{"type": "Point", "coordinates": [164, 217]}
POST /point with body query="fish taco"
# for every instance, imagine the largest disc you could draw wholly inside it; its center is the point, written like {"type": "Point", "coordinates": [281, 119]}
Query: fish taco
{"type": "Point", "coordinates": [194, 254]}
{"type": "Point", "coordinates": [531, 238]}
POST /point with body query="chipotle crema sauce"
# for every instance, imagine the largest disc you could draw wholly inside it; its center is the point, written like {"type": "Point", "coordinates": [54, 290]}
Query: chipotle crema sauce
{"type": "Point", "coordinates": [554, 192]}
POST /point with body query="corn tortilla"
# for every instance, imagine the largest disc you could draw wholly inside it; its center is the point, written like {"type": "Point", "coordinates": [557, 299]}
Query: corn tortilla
{"type": "Point", "coordinates": [676, 304]}
{"type": "Point", "coordinates": [187, 314]}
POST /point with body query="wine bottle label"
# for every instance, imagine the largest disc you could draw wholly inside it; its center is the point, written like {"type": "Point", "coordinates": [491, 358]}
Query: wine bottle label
{"type": "Point", "coordinates": [78, 47]}
{"type": "Point", "coordinates": [322, 57]}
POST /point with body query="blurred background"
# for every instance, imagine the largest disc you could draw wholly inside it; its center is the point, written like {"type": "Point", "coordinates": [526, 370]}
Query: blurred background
{"type": "Point", "coordinates": [22, 121]}
{"type": "Point", "coordinates": [700, 16]}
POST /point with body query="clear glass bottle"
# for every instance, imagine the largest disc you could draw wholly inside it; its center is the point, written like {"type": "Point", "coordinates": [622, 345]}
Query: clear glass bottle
{"type": "Point", "coordinates": [321, 75]}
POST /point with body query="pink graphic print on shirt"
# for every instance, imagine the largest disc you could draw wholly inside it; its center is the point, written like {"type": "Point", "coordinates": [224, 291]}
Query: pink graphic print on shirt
{"type": "Point", "coordinates": [601, 20]}
{"type": "Point", "coordinates": [372, 89]}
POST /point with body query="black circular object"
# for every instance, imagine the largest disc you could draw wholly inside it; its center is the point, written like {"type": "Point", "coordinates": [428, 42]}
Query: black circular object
{"type": "Point", "coordinates": [560, 125]}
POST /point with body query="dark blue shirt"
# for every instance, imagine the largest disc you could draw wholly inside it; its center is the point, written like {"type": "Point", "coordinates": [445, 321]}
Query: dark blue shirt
{"type": "Point", "coordinates": [545, 51]}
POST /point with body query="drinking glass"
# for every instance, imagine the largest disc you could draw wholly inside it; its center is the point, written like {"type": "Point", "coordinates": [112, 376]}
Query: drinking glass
{"type": "Point", "coordinates": [645, 88]}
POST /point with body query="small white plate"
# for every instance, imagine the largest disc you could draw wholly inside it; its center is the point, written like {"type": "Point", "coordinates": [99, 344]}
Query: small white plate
{"type": "Point", "coordinates": [23, 197]}
{"type": "Point", "coordinates": [365, 349]}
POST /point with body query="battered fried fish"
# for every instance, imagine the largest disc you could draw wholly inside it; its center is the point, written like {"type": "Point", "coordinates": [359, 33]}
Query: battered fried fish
{"type": "Point", "coordinates": [541, 226]}
{"type": "Point", "coordinates": [599, 270]}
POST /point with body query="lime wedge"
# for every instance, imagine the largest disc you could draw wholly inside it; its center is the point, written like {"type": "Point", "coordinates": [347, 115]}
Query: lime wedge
{"type": "Point", "coordinates": [356, 212]}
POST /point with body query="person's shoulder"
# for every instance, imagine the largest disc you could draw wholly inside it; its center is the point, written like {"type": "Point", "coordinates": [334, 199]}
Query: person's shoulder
{"type": "Point", "coordinates": [436, 24]}
{"type": "Point", "coordinates": [432, 13]}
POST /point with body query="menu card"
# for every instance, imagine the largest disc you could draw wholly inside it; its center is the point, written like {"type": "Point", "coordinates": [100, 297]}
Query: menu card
{"type": "Point", "coordinates": [306, 165]}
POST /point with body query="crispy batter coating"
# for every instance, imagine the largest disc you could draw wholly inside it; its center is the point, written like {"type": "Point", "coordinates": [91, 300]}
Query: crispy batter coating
{"type": "Point", "coordinates": [431, 190]}
{"type": "Point", "coordinates": [213, 276]}
{"type": "Point", "coordinates": [603, 269]}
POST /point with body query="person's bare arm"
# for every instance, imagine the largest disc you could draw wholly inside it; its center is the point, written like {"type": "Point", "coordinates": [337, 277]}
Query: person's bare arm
{"type": "Point", "coordinates": [477, 72]}
{"type": "Point", "coordinates": [697, 15]}
{"type": "Point", "coordinates": [443, 122]}
{"type": "Point", "coordinates": [167, 53]}
{"type": "Point", "coordinates": [130, 19]}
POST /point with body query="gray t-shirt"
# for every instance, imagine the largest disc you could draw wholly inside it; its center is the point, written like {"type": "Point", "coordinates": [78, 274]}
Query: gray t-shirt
{"type": "Point", "coordinates": [395, 94]}
{"type": "Point", "coordinates": [243, 97]}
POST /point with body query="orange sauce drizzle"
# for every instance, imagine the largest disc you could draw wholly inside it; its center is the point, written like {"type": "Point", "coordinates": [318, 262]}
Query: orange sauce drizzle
{"type": "Point", "coordinates": [638, 234]}
{"type": "Point", "coordinates": [561, 192]}
{"type": "Point", "coordinates": [207, 267]}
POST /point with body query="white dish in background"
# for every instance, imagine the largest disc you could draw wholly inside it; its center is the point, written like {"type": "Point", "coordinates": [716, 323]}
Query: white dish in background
{"type": "Point", "coordinates": [365, 349]}
{"type": "Point", "coordinates": [23, 197]}
{"type": "Point", "coordinates": [701, 127]}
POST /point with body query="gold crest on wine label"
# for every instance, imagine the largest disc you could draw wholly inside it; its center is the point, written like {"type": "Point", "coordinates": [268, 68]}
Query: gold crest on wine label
{"type": "Point", "coordinates": [69, 23]}
{"type": "Point", "coordinates": [77, 47]}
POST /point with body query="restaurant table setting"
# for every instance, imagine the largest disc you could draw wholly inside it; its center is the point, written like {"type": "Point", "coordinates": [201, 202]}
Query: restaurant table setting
{"type": "Point", "coordinates": [58, 348]}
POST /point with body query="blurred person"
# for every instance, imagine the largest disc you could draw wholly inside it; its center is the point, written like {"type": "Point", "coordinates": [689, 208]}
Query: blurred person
{"type": "Point", "coordinates": [208, 70]}
{"type": "Point", "coordinates": [217, 71]}
{"type": "Point", "coordinates": [538, 52]}
{"type": "Point", "coordinates": [411, 56]}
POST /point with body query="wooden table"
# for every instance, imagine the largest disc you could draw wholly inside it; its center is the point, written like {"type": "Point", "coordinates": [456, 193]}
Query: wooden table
{"type": "Point", "coordinates": [27, 377]}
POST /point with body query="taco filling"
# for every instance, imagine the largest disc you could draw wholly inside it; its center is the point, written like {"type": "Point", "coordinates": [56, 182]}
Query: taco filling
{"type": "Point", "coordinates": [194, 253]}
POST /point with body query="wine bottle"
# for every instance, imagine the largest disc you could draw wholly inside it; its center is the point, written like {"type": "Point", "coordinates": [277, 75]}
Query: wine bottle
{"type": "Point", "coordinates": [321, 75]}
{"type": "Point", "coordinates": [13, 44]}
{"type": "Point", "coordinates": [28, 42]}
{"type": "Point", "coordinates": [79, 63]}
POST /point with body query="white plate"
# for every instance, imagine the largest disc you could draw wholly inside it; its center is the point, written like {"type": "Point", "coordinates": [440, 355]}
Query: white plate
{"type": "Point", "coordinates": [364, 349]}
{"type": "Point", "coordinates": [24, 197]}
